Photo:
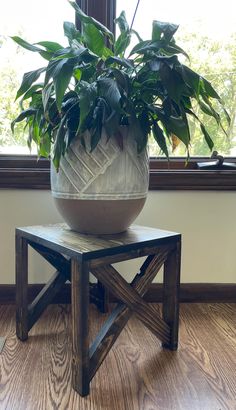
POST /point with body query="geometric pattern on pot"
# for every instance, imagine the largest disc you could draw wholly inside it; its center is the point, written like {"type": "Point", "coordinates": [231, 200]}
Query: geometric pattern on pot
{"type": "Point", "coordinates": [106, 173]}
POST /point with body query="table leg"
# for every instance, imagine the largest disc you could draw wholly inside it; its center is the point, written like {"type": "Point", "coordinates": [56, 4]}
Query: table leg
{"type": "Point", "coordinates": [170, 307]}
{"type": "Point", "coordinates": [103, 294]}
{"type": "Point", "coordinates": [21, 288]}
{"type": "Point", "coordinates": [80, 326]}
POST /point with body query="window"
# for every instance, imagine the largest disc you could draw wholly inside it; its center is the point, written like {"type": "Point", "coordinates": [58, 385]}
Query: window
{"type": "Point", "coordinates": [23, 171]}
{"type": "Point", "coordinates": [208, 34]}
{"type": "Point", "coordinates": [33, 24]}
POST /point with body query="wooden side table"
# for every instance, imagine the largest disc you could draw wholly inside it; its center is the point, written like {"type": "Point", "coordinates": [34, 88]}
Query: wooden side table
{"type": "Point", "coordinates": [74, 255]}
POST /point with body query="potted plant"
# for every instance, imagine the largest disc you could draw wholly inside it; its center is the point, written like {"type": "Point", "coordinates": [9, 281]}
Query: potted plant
{"type": "Point", "coordinates": [97, 106]}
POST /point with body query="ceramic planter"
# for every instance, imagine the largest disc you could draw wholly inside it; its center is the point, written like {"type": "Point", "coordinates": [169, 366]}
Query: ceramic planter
{"type": "Point", "coordinates": [102, 191]}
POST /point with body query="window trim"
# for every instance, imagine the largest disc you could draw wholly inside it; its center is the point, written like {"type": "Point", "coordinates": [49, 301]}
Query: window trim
{"type": "Point", "coordinates": [29, 172]}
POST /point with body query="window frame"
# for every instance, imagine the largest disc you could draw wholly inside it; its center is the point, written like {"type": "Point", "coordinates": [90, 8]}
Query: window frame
{"type": "Point", "coordinates": [29, 172]}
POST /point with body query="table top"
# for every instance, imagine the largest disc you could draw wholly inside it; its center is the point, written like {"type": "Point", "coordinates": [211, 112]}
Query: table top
{"type": "Point", "coordinates": [61, 238]}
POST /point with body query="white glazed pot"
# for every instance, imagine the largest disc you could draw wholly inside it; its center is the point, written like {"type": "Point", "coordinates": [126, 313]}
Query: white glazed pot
{"type": "Point", "coordinates": [102, 191]}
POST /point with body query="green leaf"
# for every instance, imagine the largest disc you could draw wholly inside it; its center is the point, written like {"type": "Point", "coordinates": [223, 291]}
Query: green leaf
{"type": "Point", "coordinates": [164, 30]}
{"type": "Point", "coordinates": [207, 87]}
{"type": "Point", "coordinates": [25, 44]}
{"type": "Point", "coordinates": [96, 136]}
{"type": "Point", "coordinates": [88, 72]}
{"type": "Point", "coordinates": [87, 96]}
{"type": "Point", "coordinates": [146, 46]}
{"type": "Point", "coordinates": [45, 145]}
{"type": "Point", "coordinates": [207, 137]}
{"type": "Point", "coordinates": [97, 123]}
{"type": "Point", "coordinates": [107, 52]}
{"type": "Point", "coordinates": [172, 48]}
{"type": "Point", "coordinates": [179, 127]}
{"type": "Point", "coordinates": [156, 30]}
{"type": "Point", "coordinates": [71, 31]}
{"type": "Point", "coordinates": [111, 121]}
{"type": "Point", "coordinates": [123, 62]}
{"type": "Point", "coordinates": [90, 20]}
{"type": "Point", "coordinates": [59, 147]}
{"type": "Point", "coordinates": [160, 138]}
{"type": "Point", "coordinates": [122, 22]}
{"type": "Point", "coordinates": [29, 112]}
{"type": "Point", "coordinates": [108, 89]}
{"type": "Point", "coordinates": [31, 47]}
{"type": "Point", "coordinates": [94, 39]}
{"type": "Point", "coordinates": [155, 63]}
{"type": "Point", "coordinates": [208, 109]}
{"type": "Point", "coordinates": [122, 79]}
{"type": "Point", "coordinates": [173, 82]}
{"type": "Point", "coordinates": [61, 81]}
{"type": "Point", "coordinates": [122, 43]}
{"type": "Point", "coordinates": [50, 45]}
{"type": "Point", "coordinates": [54, 68]}
{"type": "Point", "coordinates": [59, 144]}
{"type": "Point", "coordinates": [228, 119]}
{"type": "Point", "coordinates": [28, 79]}
{"type": "Point", "coordinates": [78, 73]}
{"type": "Point", "coordinates": [46, 94]}
{"type": "Point", "coordinates": [32, 91]}
{"type": "Point", "coordinates": [191, 78]}
{"type": "Point", "coordinates": [132, 31]}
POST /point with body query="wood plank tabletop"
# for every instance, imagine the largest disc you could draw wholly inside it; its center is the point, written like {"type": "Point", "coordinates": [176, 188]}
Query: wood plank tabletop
{"type": "Point", "coordinates": [61, 238]}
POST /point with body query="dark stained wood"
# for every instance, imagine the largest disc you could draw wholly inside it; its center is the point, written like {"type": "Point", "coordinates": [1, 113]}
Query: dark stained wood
{"type": "Point", "coordinates": [145, 312]}
{"type": "Point", "coordinates": [177, 175]}
{"type": "Point", "coordinates": [64, 245]}
{"type": "Point", "coordinates": [124, 256]}
{"type": "Point", "coordinates": [135, 375]}
{"type": "Point", "coordinates": [103, 296]}
{"type": "Point", "coordinates": [179, 163]}
{"type": "Point", "coordinates": [194, 180]}
{"type": "Point", "coordinates": [25, 172]}
{"type": "Point", "coordinates": [80, 329]}
{"type": "Point", "coordinates": [57, 260]}
{"type": "Point", "coordinates": [170, 306]}
{"type": "Point", "coordinates": [188, 293]}
{"type": "Point", "coordinates": [60, 238]}
{"type": "Point", "coordinates": [44, 298]}
{"type": "Point", "coordinates": [21, 250]}
{"type": "Point", "coordinates": [121, 314]}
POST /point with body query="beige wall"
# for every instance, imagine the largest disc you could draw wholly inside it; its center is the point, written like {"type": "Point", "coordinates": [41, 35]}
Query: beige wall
{"type": "Point", "coordinates": [205, 219]}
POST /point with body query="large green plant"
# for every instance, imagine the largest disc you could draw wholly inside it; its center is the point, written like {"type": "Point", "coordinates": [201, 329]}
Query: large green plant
{"type": "Point", "coordinates": [95, 83]}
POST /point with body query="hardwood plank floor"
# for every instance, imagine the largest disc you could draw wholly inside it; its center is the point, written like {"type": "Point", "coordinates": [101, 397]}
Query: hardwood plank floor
{"type": "Point", "coordinates": [136, 375]}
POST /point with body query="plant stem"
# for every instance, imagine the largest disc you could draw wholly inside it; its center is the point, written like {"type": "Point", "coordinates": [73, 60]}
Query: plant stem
{"type": "Point", "coordinates": [135, 12]}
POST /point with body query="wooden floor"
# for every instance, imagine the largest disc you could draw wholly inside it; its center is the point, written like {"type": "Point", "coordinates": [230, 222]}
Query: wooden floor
{"type": "Point", "coordinates": [137, 373]}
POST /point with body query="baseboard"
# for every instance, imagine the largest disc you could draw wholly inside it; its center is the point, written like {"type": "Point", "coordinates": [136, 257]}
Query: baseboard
{"type": "Point", "coordinates": [189, 293]}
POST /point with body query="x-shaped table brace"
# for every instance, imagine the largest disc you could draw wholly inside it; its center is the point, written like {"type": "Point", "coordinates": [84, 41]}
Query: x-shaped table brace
{"type": "Point", "coordinates": [86, 360]}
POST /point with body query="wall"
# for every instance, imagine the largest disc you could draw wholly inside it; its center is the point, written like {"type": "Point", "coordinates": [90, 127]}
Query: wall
{"type": "Point", "coordinates": [205, 219]}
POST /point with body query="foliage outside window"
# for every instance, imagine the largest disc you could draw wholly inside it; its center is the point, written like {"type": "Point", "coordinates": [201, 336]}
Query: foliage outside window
{"type": "Point", "coordinates": [208, 33]}
{"type": "Point", "coordinates": [14, 61]}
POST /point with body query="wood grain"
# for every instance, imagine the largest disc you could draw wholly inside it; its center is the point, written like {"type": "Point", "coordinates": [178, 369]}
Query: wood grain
{"type": "Point", "coordinates": [21, 259]}
{"type": "Point", "coordinates": [122, 290]}
{"type": "Point", "coordinates": [136, 375]}
{"type": "Point", "coordinates": [60, 238]}
{"type": "Point", "coordinates": [80, 326]}
{"type": "Point", "coordinates": [114, 325]}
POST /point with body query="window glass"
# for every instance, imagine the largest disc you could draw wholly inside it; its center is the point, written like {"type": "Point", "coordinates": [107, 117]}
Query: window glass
{"type": "Point", "coordinates": [33, 21]}
{"type": "Point", "coordinates": [207, 31]}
